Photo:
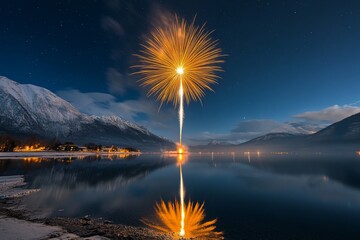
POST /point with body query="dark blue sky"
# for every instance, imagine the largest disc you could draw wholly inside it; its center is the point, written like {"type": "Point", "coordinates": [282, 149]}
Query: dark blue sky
{"type": "Point", "coordinates": [285, 58]}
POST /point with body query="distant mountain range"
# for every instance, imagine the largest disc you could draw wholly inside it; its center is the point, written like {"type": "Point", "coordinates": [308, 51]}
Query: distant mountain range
{"type": "Point", "coordinates": [29, 110]}
{"type": "Point", "coordinates": [341, 135]}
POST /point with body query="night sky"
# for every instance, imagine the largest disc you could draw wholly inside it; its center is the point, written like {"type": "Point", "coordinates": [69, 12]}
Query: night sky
{"type": "Point", "coordinates": [292, 66]}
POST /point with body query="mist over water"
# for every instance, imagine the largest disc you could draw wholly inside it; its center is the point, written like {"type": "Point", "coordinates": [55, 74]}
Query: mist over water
{"type": "Point", "coordinates": [252, 197]}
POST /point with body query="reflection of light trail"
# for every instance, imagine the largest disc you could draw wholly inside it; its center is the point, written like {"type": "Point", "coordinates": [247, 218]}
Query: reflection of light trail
{"type": "Point", "coordinates": [212, 159]}
{"type": "Point", "coordinates": [33, 159]}
{"type": "Point", "coordinates": [248, 156]}
{"type": "Point", "coordinates": [182, 198]}
{"type": "Point", "coordinates": [325, 178]}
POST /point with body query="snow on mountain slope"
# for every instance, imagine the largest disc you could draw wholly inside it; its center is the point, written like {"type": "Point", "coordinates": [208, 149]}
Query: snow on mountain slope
{"type": "Point", "coordinates": [39, 101]}
{"type": "Point", "coordinates": [29, 109]}
{"type": "Point", "coordinates": [273, 136]}
{"type": "Point", "coordinates": [346, 130]}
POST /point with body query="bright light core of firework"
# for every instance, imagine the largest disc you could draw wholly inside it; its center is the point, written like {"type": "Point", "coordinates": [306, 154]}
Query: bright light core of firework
{"type": "Point", "coordinates": [180, 70]}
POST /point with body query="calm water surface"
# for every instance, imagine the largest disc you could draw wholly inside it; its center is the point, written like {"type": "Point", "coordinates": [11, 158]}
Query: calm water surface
{"type": "Point", "coordinates": [261, 197]}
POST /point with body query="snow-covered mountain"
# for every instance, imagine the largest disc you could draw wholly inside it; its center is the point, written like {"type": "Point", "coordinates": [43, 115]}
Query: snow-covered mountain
{"type": "Point", "coordinates": [274, 136]}
{"type": "Point", "coordinates": [218, 143]}
{"type": "Point", "coordinates": [338, 137]}
{"type": "Point", "coordinates": [27, 109]}
{"type": "Point", "coordinates": [346, 130]}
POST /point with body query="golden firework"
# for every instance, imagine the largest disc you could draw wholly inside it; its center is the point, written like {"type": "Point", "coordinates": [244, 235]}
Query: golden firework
{"type": "Point", "coordinates": [179, 55]}
{"type": "Point", "coordinates": [169, 220]}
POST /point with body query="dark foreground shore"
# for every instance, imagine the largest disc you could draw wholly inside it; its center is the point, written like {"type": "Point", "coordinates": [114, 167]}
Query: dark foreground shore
{"type": "Point", "coordinates": [17, 222]}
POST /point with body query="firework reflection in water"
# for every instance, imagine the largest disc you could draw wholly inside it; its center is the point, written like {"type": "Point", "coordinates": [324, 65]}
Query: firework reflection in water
{"type": "Point", "coordinates": [188, 217]}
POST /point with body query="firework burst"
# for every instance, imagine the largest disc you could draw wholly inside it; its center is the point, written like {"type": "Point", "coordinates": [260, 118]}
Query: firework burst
{"type": "Point", "coordinates": [179, 53]}
{"type": "Point", "coordinates": [178, 62]}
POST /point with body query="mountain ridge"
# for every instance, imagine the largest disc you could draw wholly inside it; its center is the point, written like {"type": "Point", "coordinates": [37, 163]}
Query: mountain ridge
{"type": "Point", "coordinates": [27, 109]}
{"type": "Point", "coordinates": [344, 134]}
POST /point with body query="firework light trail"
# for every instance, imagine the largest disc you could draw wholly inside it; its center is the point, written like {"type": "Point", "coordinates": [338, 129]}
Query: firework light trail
{"type": "Point", "coordinates": [180, 151]}
{"type": "Point", "coordinates": [181, 107]}
{"type": "Point", "coordinates": [178, 62]}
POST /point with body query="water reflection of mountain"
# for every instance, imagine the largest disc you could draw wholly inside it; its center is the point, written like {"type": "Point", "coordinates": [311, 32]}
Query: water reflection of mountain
{"type": "Point", "coordinates": [345, 170]}
{"type": "Point", "coordinates": [90, 171]}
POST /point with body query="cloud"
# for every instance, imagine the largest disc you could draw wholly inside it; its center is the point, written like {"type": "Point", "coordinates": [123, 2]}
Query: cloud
{"type": "Point", "coordinates": [302, 123]}
{"type": "Point", "coordinates": [329, 115]}
{"type": "Point", "coordinates": [141, 111]}
{"type": "Point", "coordinates": [119, 83]}
{"type": "Point", "coordinates": [299, 127]}
{"type": "Point", "coordinates": [117, 23]}
{"type": "Point", "coordinates": [111, 25]}
{"type": "Point", "coordinates": [355, 104]}
{"type": "Point", "coordinates": [90, 103]}
{"type": "Point", "coordinates": [159, 16]}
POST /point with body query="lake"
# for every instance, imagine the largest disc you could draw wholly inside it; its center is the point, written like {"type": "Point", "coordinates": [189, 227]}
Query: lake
{"type": "Point", "coordinates": [252, 196]}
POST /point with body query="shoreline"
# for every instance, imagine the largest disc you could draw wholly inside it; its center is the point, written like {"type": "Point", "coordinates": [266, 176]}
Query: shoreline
{"type": "Point", "coordinates": [55, 154]}
{"type": "Point", "coordinates": [18, 222]}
